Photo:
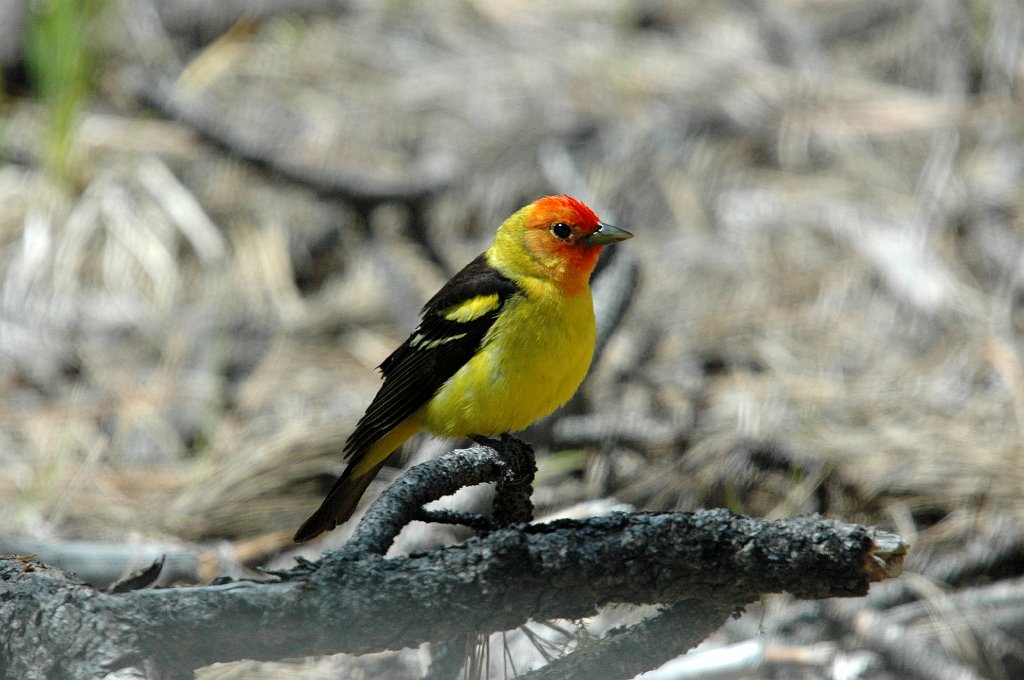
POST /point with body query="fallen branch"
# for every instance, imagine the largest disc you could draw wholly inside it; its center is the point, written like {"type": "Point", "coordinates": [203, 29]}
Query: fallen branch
{"type": "Point", "coordinates": [356, 601]}
{"type": "Point", "coordinates": [626, 652]}
{"type": "Point", "coordinates": [102, 563]}
{"type": "Point", "coordinates": [567, 569]}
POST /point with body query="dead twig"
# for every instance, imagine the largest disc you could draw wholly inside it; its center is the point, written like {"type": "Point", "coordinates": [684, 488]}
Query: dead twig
{"type": "Point", "coordinates": [356, 601]}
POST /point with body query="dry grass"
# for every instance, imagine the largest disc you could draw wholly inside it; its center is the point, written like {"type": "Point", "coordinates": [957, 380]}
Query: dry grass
{"type": "Point", "coordinates": [829, 217]}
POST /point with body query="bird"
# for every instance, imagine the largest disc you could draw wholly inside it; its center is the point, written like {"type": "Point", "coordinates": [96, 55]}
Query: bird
{"type": "Point", "coordinates": [505, 342]}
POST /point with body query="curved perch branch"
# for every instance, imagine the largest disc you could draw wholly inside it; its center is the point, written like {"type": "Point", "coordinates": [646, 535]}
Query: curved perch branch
{"type": "Point", "coordinates": [356, 601]}
{"type": "Point", "coordinates": [508, 461]}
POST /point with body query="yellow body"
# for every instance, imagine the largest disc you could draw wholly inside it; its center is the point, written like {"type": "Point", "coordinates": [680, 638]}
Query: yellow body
{"type": "Point", "coordinates": [531, 362]}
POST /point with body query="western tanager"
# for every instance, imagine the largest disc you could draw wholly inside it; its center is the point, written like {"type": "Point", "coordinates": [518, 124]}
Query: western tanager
{"type": "Point", "coordinates": [505, 342]}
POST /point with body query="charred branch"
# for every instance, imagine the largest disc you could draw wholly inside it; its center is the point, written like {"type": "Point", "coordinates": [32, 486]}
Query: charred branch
{"type": "Point", "coordinates": [359, 604]}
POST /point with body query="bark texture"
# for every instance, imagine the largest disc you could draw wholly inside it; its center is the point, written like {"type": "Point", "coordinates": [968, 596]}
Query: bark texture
{"type": "Point", "coordinates": [347, 603]}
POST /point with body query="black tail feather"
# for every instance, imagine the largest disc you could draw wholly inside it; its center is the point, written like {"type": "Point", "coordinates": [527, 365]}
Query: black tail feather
{"type": "Point", "coordinates": [339, 505]}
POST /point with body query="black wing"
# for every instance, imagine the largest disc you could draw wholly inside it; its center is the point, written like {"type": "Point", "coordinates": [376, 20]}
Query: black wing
{"type": "Point", "coordinates": [434, 352]}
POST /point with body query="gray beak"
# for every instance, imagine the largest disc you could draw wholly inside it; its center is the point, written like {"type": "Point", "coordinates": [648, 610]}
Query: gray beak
{"type": "Point", "coordinates": [606, 235]}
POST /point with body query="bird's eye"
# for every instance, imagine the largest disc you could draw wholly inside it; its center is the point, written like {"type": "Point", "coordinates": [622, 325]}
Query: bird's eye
{"type": "Point", "coordinates": [561, 230]}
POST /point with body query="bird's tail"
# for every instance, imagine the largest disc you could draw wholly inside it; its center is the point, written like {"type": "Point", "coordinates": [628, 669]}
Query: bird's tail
{"type": "Point", "coordinates": [344, 496]}
{"type": "Point", "coordinates": [340, 503]}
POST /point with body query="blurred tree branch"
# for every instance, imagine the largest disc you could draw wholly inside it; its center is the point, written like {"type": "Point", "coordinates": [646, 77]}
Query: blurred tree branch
{"type": "Point", "coordinates": [202, 20]}
{"type": "Point", "coordinates": [356, 601]}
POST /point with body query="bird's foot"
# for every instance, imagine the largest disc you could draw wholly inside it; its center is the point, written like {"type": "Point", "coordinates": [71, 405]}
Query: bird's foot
{"type": "Point", "coordinates": [489, 442]}
{"type": "Point", "coordinates": [503, 442]}
{"type": "Point", "coordinates": [512, 498]}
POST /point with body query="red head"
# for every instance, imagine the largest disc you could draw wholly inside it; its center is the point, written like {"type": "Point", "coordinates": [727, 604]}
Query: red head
{"type": "Point", "coordinates": [553, 209]}
{"type": "Point", "coordinates": [555, 238]}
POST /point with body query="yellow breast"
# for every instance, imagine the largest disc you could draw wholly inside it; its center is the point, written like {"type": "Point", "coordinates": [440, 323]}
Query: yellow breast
{"type": "Point", "coordinates": [531, 362]}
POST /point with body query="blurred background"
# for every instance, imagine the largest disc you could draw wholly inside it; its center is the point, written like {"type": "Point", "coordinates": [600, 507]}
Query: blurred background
{"type": "Point", "coordinates": [216, 219]}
